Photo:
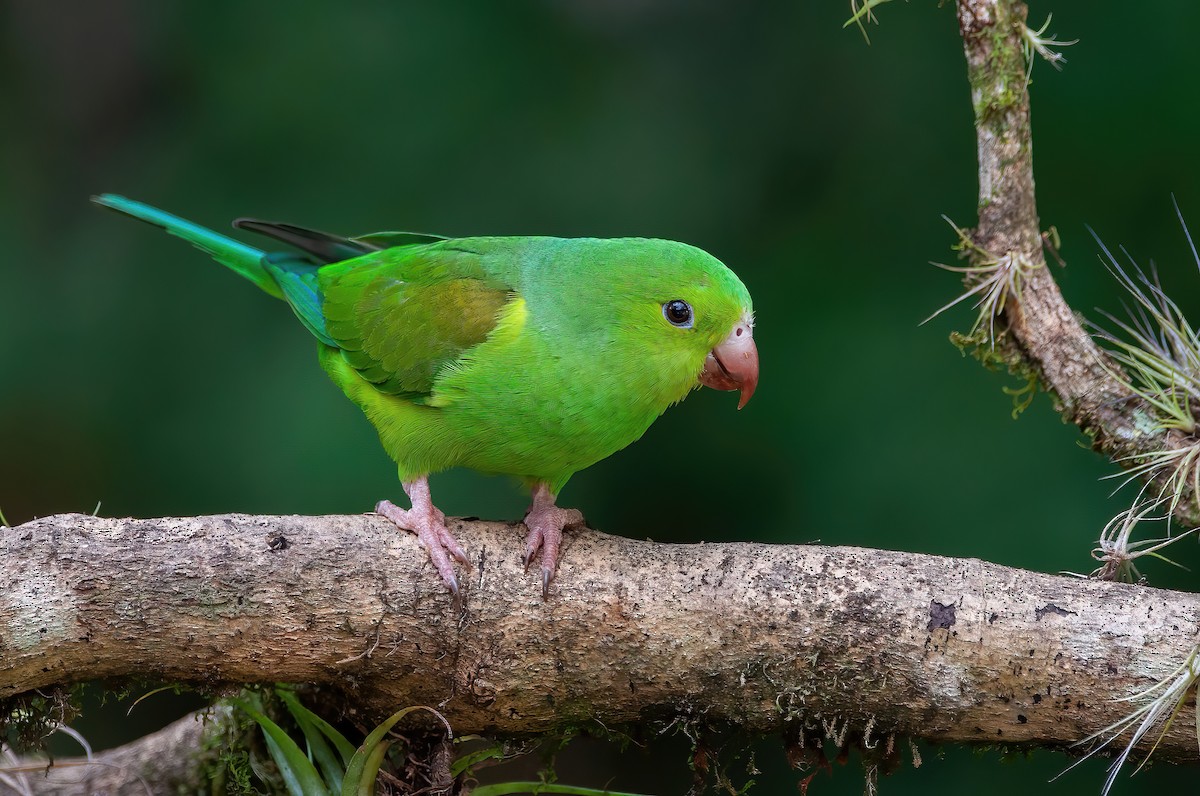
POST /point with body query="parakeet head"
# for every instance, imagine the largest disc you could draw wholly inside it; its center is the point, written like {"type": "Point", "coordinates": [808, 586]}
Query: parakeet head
{"type": "Point", "coordinates": [691, 316]}
{"type": "Point", "coordinates": [714, 306]}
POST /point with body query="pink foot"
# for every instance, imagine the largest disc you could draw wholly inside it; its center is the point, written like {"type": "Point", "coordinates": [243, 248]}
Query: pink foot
{"type": "Point", "coordinates": [545, 522]}
{"type": "Point", "coordinates": [429, 524]}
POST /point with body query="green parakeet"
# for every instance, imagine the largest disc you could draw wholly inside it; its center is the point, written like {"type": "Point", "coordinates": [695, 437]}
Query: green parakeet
{"type": "Point", "coordinates": [527, 356]}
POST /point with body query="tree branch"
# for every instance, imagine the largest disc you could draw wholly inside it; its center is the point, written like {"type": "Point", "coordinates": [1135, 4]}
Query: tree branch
{"type": "Point", "coordinates": [176, 759]}
{"type": "Point", "coordinates": [771, 638]}
{"type": "Point", "coordinates": [1047, 335]}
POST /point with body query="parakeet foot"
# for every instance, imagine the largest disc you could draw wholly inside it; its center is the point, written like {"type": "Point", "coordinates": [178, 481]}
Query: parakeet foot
{"type": "Point", "coordinates": [429, 524]}
{"type": "Point", "coordinates": [545, 522]}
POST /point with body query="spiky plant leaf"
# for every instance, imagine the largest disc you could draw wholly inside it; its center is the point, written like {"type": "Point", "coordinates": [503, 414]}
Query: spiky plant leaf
{"type": "Point", "coordinates": [467, 761]}
{"type": "Point", "coordinates": [862, 14]}
{"type": "Point", "coordinates": [315, 730]}
{"type": "Point", "coordinates": [299, 774]}
{"type": "Point", "coordinates": [361, 775]}
{"type": "Point", "coordinates": [364, 766]}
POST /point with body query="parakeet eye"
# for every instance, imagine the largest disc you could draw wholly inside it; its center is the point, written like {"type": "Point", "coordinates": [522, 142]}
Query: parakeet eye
{"type": "Point", "coordinates": [679, 313]}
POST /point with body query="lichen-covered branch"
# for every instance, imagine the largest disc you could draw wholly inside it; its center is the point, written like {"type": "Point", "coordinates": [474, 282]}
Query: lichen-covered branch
{"type": "Point", "coordinates": [1044, 335]}
{"type": "Point", "coordinates": [770, 638]}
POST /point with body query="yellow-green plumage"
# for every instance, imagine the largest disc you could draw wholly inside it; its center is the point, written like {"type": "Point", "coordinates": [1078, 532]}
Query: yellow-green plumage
{"type": "Point", "coordinates": [534, 357]}
{"type": "Point", "coordinates": [528, 356]}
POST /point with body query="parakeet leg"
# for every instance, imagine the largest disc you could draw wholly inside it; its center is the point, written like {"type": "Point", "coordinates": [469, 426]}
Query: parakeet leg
{"type": "Point", "coordinates": [429, 524]}
{"type": "Point", "coordinates": [545, 522]}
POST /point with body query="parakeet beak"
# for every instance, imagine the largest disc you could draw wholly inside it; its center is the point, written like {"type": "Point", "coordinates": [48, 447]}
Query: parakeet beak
{"type": "Point", "coordinates": [733, 364]}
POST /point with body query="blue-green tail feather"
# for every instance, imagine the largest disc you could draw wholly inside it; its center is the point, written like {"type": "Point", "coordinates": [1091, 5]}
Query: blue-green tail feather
{"type": "Point", "coordinates": [291, 277]}
{"type": "Point", "coordinates": [246, 261]}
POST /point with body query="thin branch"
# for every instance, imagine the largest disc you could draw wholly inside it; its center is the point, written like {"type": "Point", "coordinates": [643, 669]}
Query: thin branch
{"type": "Point", "coordinates": [1042, 331]}
{"type": "Point", "coordinates": [769, 637]}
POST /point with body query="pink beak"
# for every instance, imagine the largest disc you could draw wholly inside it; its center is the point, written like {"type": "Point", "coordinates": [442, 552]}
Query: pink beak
{"type": "Point", "coordinates": [733, 364]}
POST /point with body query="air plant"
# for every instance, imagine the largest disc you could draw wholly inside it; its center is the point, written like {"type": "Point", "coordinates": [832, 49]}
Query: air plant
{"type": "Point", "coordinates": [994, 280]}
{"type": "Point", "coordinates": [1036, 41]}
{"type": "Point", "coordinates": [1166, 699]}
{"type": "Point", "coordinates": [1158, 351]}
{"type": "Point", "coordinates": [1159, 354]}
{"type": "Point", "coordinates": [863, 12]}
{"type": "Point", "coordinates": [1115, 551]}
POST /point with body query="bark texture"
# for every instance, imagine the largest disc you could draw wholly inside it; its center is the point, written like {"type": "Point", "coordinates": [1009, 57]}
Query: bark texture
{"type": "Point", "coordinates": [842, 641]}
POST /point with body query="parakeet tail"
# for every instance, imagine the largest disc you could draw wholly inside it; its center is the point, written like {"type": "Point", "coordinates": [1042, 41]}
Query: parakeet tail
{"type": "Point", "coordinates": [245, 260]}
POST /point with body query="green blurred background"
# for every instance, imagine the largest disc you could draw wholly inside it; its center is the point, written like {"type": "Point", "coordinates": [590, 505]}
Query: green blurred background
{"type": "Point", "coordinates": [138, 375]}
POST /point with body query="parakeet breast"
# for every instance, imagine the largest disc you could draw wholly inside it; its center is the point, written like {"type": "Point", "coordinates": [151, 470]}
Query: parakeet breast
{"type": "Point", "coordinates": [533, 409]}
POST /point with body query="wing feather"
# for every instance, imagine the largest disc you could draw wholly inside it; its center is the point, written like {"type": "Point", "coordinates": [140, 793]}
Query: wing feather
{"type": "Point", "coordinates": [404, 315]}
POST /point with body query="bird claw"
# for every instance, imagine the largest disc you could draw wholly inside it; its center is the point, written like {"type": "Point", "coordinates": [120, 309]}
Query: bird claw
{"type": "Point", "coordinates": [429, 526]}
{"type": "Point", "coordinates": [545, 522]}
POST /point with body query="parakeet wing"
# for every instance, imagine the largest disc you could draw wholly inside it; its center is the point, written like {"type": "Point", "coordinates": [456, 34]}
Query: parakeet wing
{"type": "Point", "coordinates": [326, 248]}
{"type": "Point", "coordinates": [404, 314]}
{"type": "Point", "coordinates": [400, 310]}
